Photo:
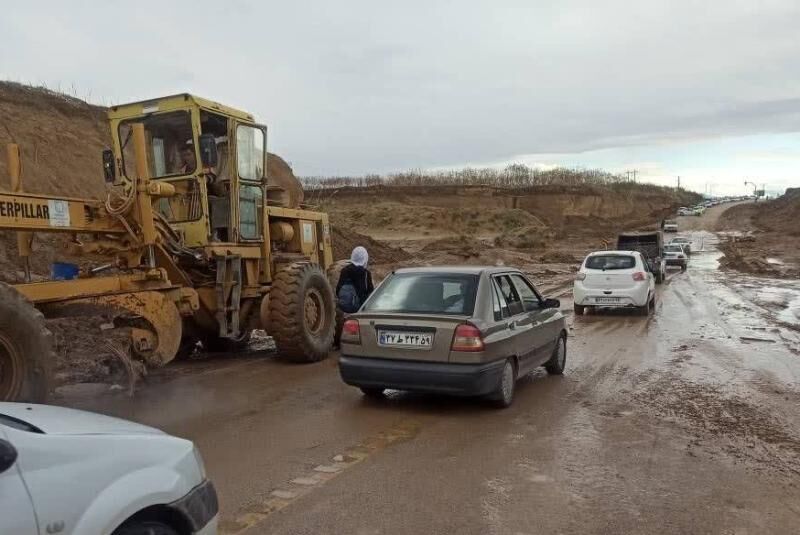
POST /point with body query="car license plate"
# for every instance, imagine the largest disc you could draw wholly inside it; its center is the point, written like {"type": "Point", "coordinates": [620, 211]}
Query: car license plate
{"type": "Point", "coordinates": [405, 339]}
{"type": "Point", "coordinates": [606, 299]}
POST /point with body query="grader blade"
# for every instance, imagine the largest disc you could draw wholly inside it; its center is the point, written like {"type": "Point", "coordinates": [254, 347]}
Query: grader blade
{"type": "Point", "coordinates": [149, 318]}
{"type": "Point", "coordinates": [156, 324]}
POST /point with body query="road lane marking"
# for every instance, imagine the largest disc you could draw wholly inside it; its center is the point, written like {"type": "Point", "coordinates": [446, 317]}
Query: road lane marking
{"type": "Point", "coordinates": [305, 483]}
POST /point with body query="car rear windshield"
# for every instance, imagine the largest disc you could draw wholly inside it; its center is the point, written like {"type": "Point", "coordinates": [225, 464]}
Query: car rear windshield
{"type": "Point", "coordinates": [609, 261]}
{"type": "Point", "coordinates": [425, 293]}
{"type": "Point", "coordinates": [673, 249]}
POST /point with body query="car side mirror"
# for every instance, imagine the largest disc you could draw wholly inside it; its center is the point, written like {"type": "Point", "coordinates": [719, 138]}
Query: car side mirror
{"type": "Point", "coordinates": [108, 166]}
{"type": "Point", "coordinates": [8, 455]}
{"type": "Point", "coordinates": [208, 150]}
{"type": "Point", "coordinates": [552, 303]}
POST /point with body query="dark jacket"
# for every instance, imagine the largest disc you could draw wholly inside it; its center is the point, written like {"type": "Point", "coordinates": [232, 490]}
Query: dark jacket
{"type": "Point", "coordinates": [359, 277]}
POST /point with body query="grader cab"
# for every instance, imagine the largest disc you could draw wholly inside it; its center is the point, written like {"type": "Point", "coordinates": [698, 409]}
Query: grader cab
{"type": "Point", "coordinates": [200, 247]}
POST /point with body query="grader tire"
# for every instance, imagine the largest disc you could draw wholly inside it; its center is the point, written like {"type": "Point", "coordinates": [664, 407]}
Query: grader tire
{"type": "Point", "coordinates": [301, 313]}
{"type": "Point", "coordinates": [333, 277]}
{"type": "Point", "coordinates": [26, 349]}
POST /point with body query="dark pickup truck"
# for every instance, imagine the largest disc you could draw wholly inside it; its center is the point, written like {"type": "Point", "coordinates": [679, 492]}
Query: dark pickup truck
{"type": "Point", "coordinates": [651, 245]}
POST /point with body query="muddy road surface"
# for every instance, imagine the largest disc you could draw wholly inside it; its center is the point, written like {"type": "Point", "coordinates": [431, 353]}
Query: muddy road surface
{"type": "Point", "coordinates": [683, 422]}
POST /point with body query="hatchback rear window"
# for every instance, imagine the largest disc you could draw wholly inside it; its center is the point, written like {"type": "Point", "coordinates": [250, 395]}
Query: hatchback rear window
{"type": "Point", "coordinates": [610, 262]}
{"type": "Point", "coordinates": [425, 293]}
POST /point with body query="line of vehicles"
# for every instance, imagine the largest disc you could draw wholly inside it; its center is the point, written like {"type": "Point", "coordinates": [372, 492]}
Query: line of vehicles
{"type": "Point", "coordinates": [700, 209]}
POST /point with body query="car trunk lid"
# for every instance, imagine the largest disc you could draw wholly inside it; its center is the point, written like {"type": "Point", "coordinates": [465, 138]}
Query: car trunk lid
{"type": "Point", "coordinates": [597, 279]}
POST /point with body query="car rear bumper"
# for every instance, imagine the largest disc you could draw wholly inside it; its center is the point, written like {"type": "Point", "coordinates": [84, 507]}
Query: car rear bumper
{"type": "Point", "coordinates": [456, 379]}
{"type": "Point", "coordinates": [627, 297]}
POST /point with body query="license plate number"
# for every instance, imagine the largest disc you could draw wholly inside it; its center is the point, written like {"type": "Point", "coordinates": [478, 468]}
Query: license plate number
{"type": "Point", "coordinates": [405, 339]}
{"type": "Point", "coordinates": [606, 299]}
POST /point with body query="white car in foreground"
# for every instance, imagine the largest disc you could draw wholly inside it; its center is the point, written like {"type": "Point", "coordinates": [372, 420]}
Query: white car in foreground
{"type": "Point", "coordinates": [64, 471]}
{"type": "Point", "coordinates": [617, 279]}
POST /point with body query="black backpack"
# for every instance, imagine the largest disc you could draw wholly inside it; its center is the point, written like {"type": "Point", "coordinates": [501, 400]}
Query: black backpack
{"type": "Point", "coordinates": [348, 298]}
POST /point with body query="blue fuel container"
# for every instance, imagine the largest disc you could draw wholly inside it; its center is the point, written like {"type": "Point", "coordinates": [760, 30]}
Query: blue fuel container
{"type": "Point", "coordinates": [62, 271]}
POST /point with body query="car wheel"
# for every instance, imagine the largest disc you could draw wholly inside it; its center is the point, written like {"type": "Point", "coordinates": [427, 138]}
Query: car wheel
{"type": "Point", "coordinates": [644, 310]}
{"type": "Point", "coordinates": [372, 392]}
{"type": "Point", "coordinates": [558, 361]}
{"type": "Point", "coordinates": [578, 309]}
{"type": "Point", "coordinates": [145, 527]}
{"type": "Point", "coordinates": [504, 395]}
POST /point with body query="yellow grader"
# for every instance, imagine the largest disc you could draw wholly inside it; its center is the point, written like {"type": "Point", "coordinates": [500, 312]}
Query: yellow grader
{"type": "Point", "coordinates": [200, 246]}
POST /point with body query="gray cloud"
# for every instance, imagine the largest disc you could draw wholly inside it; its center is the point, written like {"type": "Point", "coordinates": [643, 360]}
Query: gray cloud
{"type": "Point", "coordinates": [354, 87]}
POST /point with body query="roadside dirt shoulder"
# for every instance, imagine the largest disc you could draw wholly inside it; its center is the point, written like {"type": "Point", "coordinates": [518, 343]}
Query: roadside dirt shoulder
{"type": "Point", "coordinates": [763, 238]}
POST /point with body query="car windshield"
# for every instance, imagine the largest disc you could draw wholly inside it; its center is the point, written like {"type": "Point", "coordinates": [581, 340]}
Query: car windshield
{"type": "Point", "coordinates": [673, 249]}
{"type": "Point", "coordinates": [608, 261]}
{"type": "Point", "coordinates": [425, 293]}
{"type": "Point", "coordinates": [680, 240]}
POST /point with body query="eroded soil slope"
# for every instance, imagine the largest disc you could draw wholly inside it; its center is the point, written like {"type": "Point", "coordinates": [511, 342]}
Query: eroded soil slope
{"type": "Point", "coordinates": [764, 237]}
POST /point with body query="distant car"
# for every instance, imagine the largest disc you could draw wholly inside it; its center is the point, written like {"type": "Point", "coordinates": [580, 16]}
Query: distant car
{"type": "Point", "coordinates": [455, 330]}
{"type": "Point", "coordinates": [670, 225]}
{"type": "Point", "coordinates": [676, 256]}
{"type": "Point", "coordinates": [73, 472]}
{"type": "Point", "coordinates": [699, 210]}
{"type": "Point", "coordinates": [683, 241]}
{"type": "Point", "coordinates": [683, 211]}
{"type": "Point", "coordinates": [616, 279]}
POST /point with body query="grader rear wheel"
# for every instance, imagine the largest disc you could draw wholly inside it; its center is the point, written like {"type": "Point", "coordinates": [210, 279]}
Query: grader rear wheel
{"type": "Point", "coordinates": [26, 349]}
{"type": "Point", "coordinates": [301, 313]}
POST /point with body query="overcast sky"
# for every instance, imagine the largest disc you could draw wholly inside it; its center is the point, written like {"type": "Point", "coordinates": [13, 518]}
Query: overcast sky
{"type": "Point", "coordinates": [706, 90]}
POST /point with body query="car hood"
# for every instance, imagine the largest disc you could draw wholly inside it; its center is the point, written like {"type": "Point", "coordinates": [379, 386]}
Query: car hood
{"type": "Point", "coordinates": [62, 421]}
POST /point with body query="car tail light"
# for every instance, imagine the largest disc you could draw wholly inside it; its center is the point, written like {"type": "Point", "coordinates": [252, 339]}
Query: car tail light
{"type": "Point", "coordinates": [639, 276]}
{"type": "Point", "coordinates": [351, 332]}
{"type": "Point", "coordinates": [467, 338]}
{"type": "Point", "coordinates": [580, 276]}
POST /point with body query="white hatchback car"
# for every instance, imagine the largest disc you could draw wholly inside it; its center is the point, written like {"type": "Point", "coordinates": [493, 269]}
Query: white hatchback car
{"type": "Point", "coordinates": [73, 472]}
{"type": "Point", "coordinates": [615, 279]}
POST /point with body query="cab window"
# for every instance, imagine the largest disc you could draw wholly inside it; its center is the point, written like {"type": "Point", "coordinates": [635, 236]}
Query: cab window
{"type": "Point", "coordinates": [169, 144]}
{"type": "Point", "coordinates": [250, 211]}
{"type": "Point", "coordinates": [250, 152]}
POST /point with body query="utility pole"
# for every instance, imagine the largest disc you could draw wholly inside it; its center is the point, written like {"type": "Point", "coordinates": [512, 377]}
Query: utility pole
{"type": "Point", "coordinates": [679, 182]}
{"type": "Point", "coordinates": [634, 175]}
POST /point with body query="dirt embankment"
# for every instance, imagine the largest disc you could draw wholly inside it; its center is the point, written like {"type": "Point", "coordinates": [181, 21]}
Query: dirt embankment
{"type": "Point", "coordinates": [764, 237]}
{"type": "Point", "coordinates": [490, 211]}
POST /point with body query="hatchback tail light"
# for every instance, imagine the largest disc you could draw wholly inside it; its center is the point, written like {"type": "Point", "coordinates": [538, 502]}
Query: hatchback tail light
{"type": "Point", "coordinates": [580, 276]}
{"type": "Point", "coordinates": [351, 332]}
{"type": "Point", "coordinates": [639, 276]}
{"type": "Point", "coordinates": [467, 338]}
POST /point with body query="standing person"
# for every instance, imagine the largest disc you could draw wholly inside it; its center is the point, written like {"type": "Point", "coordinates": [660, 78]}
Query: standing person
{"type": "Point", "coordinates": [355, 282]}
